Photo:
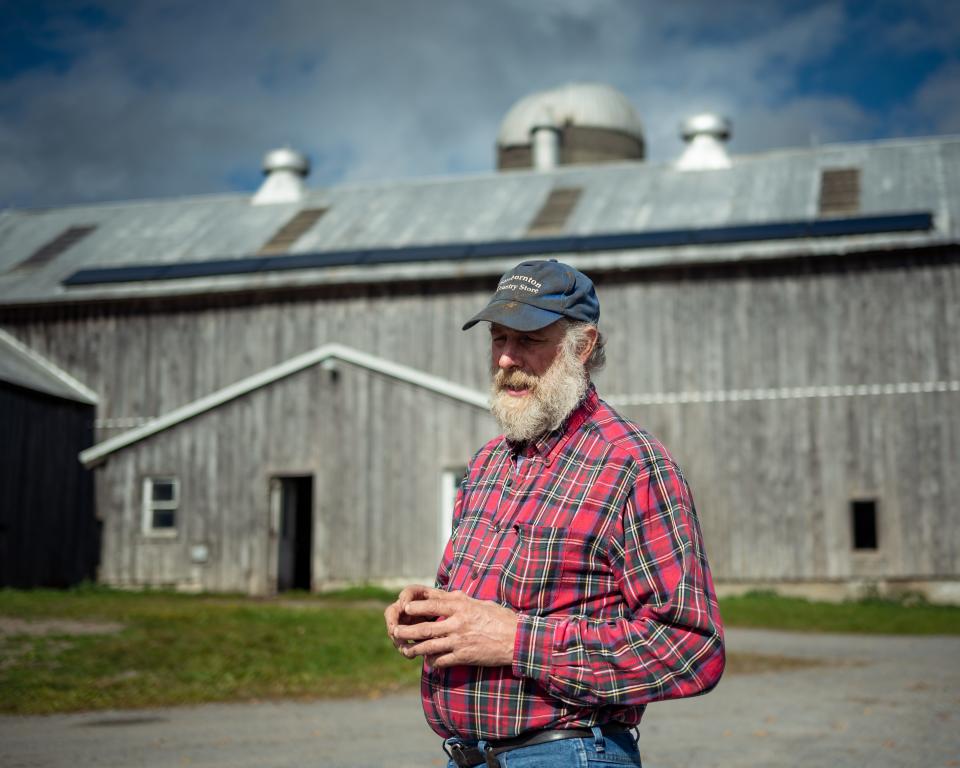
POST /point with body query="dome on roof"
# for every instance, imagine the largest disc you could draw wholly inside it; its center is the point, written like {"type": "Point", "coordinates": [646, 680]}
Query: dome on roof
{"type": "Point", "coordinates": [592, 105]}
{"type": "Point", "coordinates": [575, 124]}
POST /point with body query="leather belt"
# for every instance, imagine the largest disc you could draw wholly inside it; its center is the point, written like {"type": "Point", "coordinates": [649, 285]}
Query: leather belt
{"type": "Point", "coordinates": [467, 757]}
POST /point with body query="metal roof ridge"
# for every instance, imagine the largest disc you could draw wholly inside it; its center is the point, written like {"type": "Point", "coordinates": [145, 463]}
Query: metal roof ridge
{"type": "Point", "coordinates": [137, 202]}
{"type": "Point", "coordinates": [666, 164]}
{"type": "Point", "coordinates": [855, 144]}
{"type": "Point", "coordinates": [82, 392]}
{"type": "Point", "coordinates": [97, 453]}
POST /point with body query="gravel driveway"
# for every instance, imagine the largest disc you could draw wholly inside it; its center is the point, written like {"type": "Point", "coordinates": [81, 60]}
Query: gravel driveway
{"type": "Point", "coordinates": [876, 701]}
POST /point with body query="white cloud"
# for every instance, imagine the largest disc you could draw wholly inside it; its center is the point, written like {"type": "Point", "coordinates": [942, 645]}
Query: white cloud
{"type": "Point", "coordinates": [936, 101]}
{"type": "Point", "coordinates": [179, 97]}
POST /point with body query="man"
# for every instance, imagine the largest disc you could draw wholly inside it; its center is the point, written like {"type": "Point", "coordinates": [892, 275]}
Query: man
{"type": "Point", "coordinates": [574, 589]}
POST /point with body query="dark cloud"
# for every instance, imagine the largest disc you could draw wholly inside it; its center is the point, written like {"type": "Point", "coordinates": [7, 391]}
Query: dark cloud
{"type": "Point", "coordinates": [120, 100]}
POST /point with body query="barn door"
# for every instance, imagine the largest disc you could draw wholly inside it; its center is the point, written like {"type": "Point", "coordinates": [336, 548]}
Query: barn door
{"type": "Point", "coordinates": [291, 502]}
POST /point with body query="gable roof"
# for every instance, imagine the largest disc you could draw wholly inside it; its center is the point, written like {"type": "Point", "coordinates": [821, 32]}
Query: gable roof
{"type": "Point", "coordinates": [98, 453]}
{"type": "Point", "coordinates": [214, 239]}
{"type": "Point", "coordinates": [25, 368]}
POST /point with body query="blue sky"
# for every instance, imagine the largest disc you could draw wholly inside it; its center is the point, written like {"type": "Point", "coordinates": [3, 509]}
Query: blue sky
{"type": "Point", "coordinates": [123, 99]}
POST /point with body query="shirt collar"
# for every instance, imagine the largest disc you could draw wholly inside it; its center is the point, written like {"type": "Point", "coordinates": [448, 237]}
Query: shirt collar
{"type": "Point", "coordinates": [546, 446]}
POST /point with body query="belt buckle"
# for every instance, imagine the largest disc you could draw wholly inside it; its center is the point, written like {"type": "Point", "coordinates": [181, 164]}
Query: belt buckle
{"type": "Point", "coordinates": [491, 758]}
{"type": "Point", "coordinates": [458, 754]}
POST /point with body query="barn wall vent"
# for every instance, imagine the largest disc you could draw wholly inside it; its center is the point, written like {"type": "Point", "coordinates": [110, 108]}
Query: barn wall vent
{"type": "Point", "coordinates": [284, 238]}
{"type": "Point", "coordinates": [839, 191]}
{"type": "Point", "coordinates": [49, 251]}
{"type": "Point", "coordinates": [552, 217]}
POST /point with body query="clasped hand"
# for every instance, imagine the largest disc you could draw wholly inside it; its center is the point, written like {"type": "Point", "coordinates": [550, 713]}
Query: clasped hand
{"type": "Point", "coordinates": [450, 628]}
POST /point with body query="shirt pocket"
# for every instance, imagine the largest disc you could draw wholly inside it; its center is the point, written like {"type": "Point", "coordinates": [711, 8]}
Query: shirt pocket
{"type": "Point", "coordinates": [465, 540]}
{"type": "Point", "coordinates": [543, 571]}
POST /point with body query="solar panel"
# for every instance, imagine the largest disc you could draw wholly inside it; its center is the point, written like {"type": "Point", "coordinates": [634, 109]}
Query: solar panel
{"type": "Point", "coordinates": [210, 268]}
{"type": "Point", "coordinates": [96, 275]}
{"type": "Point", "coordinates": [314, 260]}
{"type": "Point", "coordinates": [740, 233]}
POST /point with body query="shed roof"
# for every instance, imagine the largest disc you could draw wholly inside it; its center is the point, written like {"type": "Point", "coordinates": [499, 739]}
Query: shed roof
{"type": "Point", "coordinates": [25, 368]}
{"type": "Point", "coordinates": [895, 177]}
{"type": "Point", "coordinates": [326, 352]}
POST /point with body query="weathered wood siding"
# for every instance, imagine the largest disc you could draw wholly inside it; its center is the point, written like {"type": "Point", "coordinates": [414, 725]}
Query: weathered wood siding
{"type": "Point", "coordinates": [773, 474]}
{"type": "Point", "coordinates": [147, 362]}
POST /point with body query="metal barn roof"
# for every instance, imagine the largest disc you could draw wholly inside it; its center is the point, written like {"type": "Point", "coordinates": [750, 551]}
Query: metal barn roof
{"type": "Point", "coordinates": [626, 215]}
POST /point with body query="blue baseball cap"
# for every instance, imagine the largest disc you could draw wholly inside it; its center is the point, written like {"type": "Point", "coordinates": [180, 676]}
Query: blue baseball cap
{"type": "Point", "coordinates": [535, 294]}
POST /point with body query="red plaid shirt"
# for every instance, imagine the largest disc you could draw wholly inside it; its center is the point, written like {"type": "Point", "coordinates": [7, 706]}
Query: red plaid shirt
{"type": "Point", "coordinates": [592, 537]}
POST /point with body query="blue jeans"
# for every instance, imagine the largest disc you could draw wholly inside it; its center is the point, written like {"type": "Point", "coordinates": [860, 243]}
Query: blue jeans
{"type": "Point", "coordinates": [617, 749]}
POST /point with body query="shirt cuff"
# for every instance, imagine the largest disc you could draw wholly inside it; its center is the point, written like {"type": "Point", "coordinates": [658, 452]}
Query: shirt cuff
{"type": "Point", "coordinates": [533, 647]}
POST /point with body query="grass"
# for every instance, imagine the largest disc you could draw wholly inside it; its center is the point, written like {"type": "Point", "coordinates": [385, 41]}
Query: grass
{"type": "Point", "coordinates": [177, 649]}
{"type": "Point", "coordinates": [163, 648]}
{"type": "Point", "coordinates": [909, 616]}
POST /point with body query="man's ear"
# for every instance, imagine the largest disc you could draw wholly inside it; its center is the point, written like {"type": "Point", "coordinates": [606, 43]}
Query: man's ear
{"type": "Point", "coordinates": [589, 342]}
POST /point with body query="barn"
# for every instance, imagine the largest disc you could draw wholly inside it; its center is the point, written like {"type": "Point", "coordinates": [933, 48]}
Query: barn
{"type": "Point", "coordinates": [284, 398]}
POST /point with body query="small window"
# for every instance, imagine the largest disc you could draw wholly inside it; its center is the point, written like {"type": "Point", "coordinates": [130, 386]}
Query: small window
{"type": "Point", "coordinates": [161, 497]}
{"type": "Point", "coordinates": [864, 518]}
{"type": "Point", "coordinates": [450, 480]}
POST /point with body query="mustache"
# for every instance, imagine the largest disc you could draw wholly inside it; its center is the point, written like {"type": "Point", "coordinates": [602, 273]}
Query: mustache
{"type": "Point", "coordinates": [516, 379]}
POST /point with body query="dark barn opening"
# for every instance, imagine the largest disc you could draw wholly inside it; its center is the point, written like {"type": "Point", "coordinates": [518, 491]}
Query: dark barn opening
{"type": "Point", "coordinates": [296, 533]}
{"type": "Point", "coordinates": [864, 515]}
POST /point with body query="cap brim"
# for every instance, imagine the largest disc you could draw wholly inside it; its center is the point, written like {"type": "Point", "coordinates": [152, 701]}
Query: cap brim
{"type": "Point", "coordinates": [515, 315]}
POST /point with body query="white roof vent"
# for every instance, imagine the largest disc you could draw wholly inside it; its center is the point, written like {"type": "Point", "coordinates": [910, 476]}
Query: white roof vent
{"type": "Point", "coordinates": [706, 136]}
{"type": "Point", "coordinates": [284, 169]}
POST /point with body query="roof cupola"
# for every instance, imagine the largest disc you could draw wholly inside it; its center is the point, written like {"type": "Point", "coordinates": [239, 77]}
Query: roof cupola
{"type": "Point", "coordinates": [575, 124]}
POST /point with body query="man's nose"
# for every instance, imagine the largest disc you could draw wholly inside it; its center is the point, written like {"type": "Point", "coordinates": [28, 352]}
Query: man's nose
{"type": "Point", "coordinates": [509, 357]}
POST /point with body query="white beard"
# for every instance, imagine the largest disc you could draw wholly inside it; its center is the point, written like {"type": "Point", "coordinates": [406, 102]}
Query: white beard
{"type": "Point", "coordinates": [552, 397]}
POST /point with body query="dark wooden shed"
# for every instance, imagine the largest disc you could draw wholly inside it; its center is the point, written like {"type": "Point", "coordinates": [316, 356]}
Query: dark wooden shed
{"type": "Point", "coordinates": [49, 533]}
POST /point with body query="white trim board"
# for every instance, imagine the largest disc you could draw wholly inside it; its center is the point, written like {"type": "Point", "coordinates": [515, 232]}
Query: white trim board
{"type": "Point", "coordinates": [784, 393]}
{"type": "Point", "coordinates": [96, 454]}
{"type": "Point", "coordinates": [70, 387]}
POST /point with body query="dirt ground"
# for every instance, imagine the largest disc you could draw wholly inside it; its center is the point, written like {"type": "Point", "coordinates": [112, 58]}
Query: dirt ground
{"type": "Point", "coordinates": [43, 627]}
{"type": "Point", "coordinates": [864, 701]}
